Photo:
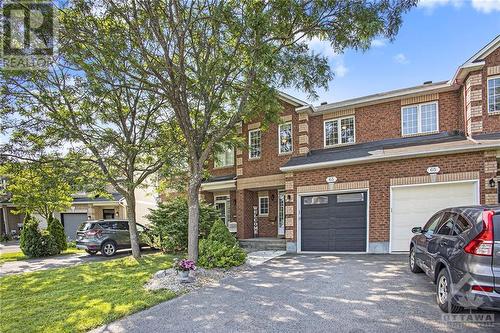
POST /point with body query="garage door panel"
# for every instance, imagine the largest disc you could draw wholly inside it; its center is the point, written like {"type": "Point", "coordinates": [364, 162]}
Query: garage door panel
{"type": "Point", "coordinates": [334, 226]}
{"type": "Point", "coordinates": [71, 222]}
{"type": "Point", "coordinates": [413, 206]}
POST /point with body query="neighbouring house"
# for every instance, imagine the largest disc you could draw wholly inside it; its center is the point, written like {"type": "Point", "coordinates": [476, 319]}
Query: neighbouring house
{"type": "Point", "coordinates": [357, 175]}
{"type": "Point", "coordinates": [82, 209]}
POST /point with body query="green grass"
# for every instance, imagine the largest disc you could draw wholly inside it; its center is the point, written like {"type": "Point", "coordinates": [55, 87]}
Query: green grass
{"type": "Point", "coordinates": [78, 298]}
{"type": "Point", "coordinates": [15, 256]}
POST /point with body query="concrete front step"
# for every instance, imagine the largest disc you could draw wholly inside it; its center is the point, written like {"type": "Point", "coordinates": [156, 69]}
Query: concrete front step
{"type": "Point", "coordinates": [263, 244]}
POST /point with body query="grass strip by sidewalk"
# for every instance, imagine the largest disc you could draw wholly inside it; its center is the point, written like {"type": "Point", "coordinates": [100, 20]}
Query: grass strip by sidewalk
{"type": "Point", "coordinates": [16, 256]}
{"type": "Point", "coordinates": [81, 297]}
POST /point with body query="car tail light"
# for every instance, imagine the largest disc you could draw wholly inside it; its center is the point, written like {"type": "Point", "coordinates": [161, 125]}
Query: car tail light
{"type": "Point", "coordinates": [483, 288]}
{"type": "Point", "coordinates": [94, 233]}
{"type": "Point", "coordinates": [482, 244]}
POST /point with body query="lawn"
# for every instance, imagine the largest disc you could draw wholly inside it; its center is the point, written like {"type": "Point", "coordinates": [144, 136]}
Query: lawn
{"type": "Point", "coordinates": [78, 298]}
{"type": "Point", "coordinates": [14, 256]}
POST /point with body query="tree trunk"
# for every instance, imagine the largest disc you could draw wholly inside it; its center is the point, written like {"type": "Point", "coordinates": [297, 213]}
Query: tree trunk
{"type": "Point", "coordinates": [131, 216]}
{"type": "Point", "coordinates": [194, 215]}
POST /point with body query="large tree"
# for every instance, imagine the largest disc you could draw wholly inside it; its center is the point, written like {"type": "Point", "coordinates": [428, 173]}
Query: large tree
{"type": "Point", "coordinates": [217, 63]}
{"type": "Point", "coordinates": [81, 107]}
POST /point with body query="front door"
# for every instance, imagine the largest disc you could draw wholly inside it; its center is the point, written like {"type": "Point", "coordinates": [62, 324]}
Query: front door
{"type": "Point", "coordinates": [281, 213]}
{"type": "Point", "coordinates": [222, 206]}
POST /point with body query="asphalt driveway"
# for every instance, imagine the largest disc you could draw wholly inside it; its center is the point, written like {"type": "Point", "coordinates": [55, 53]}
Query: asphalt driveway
{"type": "Point", "coordinates": [306, 293]}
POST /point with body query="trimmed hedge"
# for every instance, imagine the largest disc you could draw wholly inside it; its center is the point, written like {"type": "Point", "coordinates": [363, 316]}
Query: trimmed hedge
{"type": "Point", "coordinates": [35, 243]}
{"type": "Point", "coordinates": [56, 229]}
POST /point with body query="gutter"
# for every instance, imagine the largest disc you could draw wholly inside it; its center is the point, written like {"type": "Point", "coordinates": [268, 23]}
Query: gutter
{"type": "Point", "coordinates": [374, 158]}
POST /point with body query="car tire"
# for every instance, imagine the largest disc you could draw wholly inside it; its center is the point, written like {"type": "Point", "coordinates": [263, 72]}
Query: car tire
{"type": "Point", "coordinates": [443, 293]}
{"type": "Point", "coordinates": [108, 248]}
{"type": "Point", "coordinates": [414, 268]}
{"type": "Point", "coordinates": [91, 252]}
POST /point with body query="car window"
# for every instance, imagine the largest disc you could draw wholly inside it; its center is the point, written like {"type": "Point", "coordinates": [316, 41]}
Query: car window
{"type": "Point", "coordinates": [432, 224]}
{"type": "Point", "coordinates": [86, 226]}
{"type": "Point", "coordinates": [496, 227]}
{"type": "Point", "coordinates": [106, 225]}
{"type": "Point", "coordinates": [446, 226]}
{"type": "Point", "coordinates": [122, 225]}
{"type": "Point", "coordinates": [461, 225]}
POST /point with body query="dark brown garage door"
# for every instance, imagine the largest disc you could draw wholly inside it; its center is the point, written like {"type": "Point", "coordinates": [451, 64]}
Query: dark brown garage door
{"type": "Point", "coordinates": [334, 222]}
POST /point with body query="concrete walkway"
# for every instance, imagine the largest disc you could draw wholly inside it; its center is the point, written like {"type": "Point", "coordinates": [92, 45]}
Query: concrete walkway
{"type": "Point", "coordinates": [10, 247]}
{"type": "Point", "coordinates": [335, 293]}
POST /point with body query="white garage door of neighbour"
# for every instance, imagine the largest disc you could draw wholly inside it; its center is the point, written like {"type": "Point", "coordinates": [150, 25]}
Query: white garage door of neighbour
{"type": "Point", "coordinates": [413, 206]}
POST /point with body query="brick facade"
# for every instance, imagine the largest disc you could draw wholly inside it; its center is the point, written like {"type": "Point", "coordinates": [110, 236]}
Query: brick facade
{"type": "Point", "coordinates": [461, 108]}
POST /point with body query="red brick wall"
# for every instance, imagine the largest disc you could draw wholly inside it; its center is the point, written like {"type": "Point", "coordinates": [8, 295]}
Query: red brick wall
{"type": "Point", "coordinates": [383, 121]}
{"type": "Point", "coordinates": [379, 175]}
{"type": "Point", "coordinates": [491, 123]}
{"type": "Point", "coordinates": [268, 226]}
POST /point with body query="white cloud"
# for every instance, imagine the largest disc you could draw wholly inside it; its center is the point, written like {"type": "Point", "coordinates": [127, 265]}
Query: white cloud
{"type": "Point", "coordinates": [335, 60]}
{"type": "Point", "coordinates": [379, 42]}
{"type": "Point", "coordinates": [486, 6]}
{"type": "Point", "coordinates": [400, 58]}
{"type": "Point", "coordinates": [431, 4]}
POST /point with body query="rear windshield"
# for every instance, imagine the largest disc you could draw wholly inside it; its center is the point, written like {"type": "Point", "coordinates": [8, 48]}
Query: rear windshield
{"type": "Point", "coordinates": [496, 227]}
{"type": "Point", "coordinates": [86, 226]}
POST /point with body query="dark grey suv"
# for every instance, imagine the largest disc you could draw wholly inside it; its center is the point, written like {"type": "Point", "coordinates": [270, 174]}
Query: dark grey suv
{"type": "Point", "coordinates": [460, 251]}
{"type": "Point", "coordinates": [107, 236]}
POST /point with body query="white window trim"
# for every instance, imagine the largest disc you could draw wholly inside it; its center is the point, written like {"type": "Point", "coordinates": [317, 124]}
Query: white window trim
{"type": "Point", "coordinates": [488, 93]}
{"type": "Point", "coordinates": [250, 144]}
{"type": "Point", "coordinates": [226, 165]}
{"type": "Point", "coordinates": [279, 138]}
{"type": "Point", "coordinates": [339, 130]}
{"type": "Point", "coordinates": [260, 212]}
{"type": "Point", "coordinates": [419, 123]}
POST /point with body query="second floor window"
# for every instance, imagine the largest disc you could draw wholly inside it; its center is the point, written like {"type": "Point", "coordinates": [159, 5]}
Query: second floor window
{"type": "Point", "coordinates": [224, 158]}
{"type": "Point", "coordinates": [285, 138]}
{"type": "Point", "coordinates": [339, 131]}
{"type": "Point", "coordinates": [254, 143]}
{"type": "Point", "coordinates": [494, 94]}
{"type": "Point", "coordinates": [419, 119]}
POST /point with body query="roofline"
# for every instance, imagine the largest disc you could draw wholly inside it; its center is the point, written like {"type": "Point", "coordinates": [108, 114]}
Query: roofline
{"type": "Point", "coordinates": [373, 158]}
{"type": "Point", "coordinates": [484, 52]}
{"type": "Point", "coordinates": [290, 99]}
{"type": "Point", "coordinates": [219, 185]}
{"type": "Point", "coordinates": [380, 97]}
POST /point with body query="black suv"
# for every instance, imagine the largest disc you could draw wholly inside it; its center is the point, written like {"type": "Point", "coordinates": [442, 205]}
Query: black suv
{"type": "Point", "coordinates": [107, 236]}
{"type": "Point", "coordinates": [459, 250]}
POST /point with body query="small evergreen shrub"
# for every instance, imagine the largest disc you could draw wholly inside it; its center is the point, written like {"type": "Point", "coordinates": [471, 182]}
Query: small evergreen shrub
{"type": "Point", "coordinates": [220, 249]}
{"type": "Point", "coordinates": [169, 224]}
{"type": "Point", "coordinates": [35, 243]}
{"type": "Point", "coordinates": [56, 229]}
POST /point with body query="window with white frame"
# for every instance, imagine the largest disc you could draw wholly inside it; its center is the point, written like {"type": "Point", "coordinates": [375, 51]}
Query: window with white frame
{"type": "Point", "coordinates": [494, 94]}
{"type": "Point", "coordinates": [339, 131]}
{"type": "Point", "coordinates": [263, 206]}
{"type": "Point", "coordinates": [285, 138]}
{"type": "Point", "coordinates": [224, 158]}
{"type": "Point", "coordinates": [254, 142]}
{"type": "Point", "coordinates": [419, 119]}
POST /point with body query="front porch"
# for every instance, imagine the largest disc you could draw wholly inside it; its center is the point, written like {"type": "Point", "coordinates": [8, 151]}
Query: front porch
{"type": "Point", "coordinates": [263, 244]}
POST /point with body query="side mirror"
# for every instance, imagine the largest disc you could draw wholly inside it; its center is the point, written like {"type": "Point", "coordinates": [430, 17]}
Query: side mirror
{"type": "Point", "coordinates": [416, 230]}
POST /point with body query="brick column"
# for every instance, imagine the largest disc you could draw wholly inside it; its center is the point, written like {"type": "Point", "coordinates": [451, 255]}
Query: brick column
{"type": "Point", "coordinates": [245, 201]}
{"type": "Point", "coordinates": [473, 103]}
{"type": "Point", "coordinates": [490, 172]}
{"type": "Point", "coordinates": [303, 148]}
{"type": "Point", "coordinates": [290, 214]}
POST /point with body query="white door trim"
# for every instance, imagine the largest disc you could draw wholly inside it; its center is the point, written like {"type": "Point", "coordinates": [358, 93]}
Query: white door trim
{"type": "Point", "coordinates": [477, 199]}
{"type": "Point", "coordinates": [299, 216]}
{"type": "Point", "coordinates": [281, 232]}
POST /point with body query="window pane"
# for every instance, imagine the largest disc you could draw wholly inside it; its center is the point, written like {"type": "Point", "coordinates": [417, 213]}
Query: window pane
{"type": "Point", "coordinates": [428, 117]}
{"type": "Point", "coordinates": [347, 130]}
{"type": "Point", "coordinates": [494, 95]}
{"type": "Point", "coordinates": [447, 225]}
{"type": "Point", "coordinates": [410, 120]}
{"type": "Point", "coordinates": [331, 133]}
{"type": "Point", "coordinates": [285, 138]}
{"type": "Point", "coordinates": [460, 226]}
{"type": "Point", "coordinates": [263, 205]}
{"type": "Point", "coordinates": [255, 144]}
{"type": "Point", "coordinates": [351, 197]}
{"type": "Point", "coordinates": [318, 200]}
{"type": "Point", "coordinates": [432, 224]}
{"type": "Point", "coordinates": [224, 158]}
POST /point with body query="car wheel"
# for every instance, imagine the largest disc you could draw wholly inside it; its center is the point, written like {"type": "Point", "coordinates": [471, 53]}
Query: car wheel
{"type": "Point", "coordinates": [108, 249]}
{"type": "Point", "coordinates": [413, 262]}
{"type": "Point", "coordinates": [91, 252]}
{"type": "Point", "coordinates": [444, 297]}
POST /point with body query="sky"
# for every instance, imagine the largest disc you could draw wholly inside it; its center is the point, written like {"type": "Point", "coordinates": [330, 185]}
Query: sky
{"type": "Point", "coordinates": [435, 38]}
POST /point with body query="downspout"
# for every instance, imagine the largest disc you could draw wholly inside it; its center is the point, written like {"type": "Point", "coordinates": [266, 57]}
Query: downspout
{"type": "Point", "coordinates": [6, 223]}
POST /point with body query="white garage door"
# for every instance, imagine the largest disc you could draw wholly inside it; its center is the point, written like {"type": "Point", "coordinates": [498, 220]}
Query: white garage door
{"type": "Point", "coordinates": [71, 222]}
{"type": "Point", "coordinates": [413, 206]}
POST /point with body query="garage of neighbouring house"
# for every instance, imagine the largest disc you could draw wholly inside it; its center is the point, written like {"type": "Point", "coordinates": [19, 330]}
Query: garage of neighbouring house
{"type": "Point", "coordinates": [335, 222]}
{"type": "Point", "coordinates": [71, 221]}
{"type": "Point", "coordinates": [413, 205]}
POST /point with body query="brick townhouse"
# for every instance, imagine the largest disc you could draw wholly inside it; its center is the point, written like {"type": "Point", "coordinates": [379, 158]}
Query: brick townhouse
{"type": "Point", "coordinates": [357, 175]}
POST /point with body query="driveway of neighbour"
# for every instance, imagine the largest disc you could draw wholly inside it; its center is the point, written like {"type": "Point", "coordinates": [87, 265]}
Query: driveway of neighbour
{"type": "Point", "coordinates": [306, 293]}
{"type": "Point", "coordinates": [31, 265]}
{"type": "Point", "coordinates": [10, 247]}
